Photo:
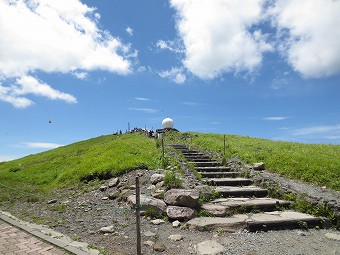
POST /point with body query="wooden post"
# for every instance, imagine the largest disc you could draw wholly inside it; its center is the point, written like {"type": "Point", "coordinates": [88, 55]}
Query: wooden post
{"type": "Point", "coordinates": [139, 247]}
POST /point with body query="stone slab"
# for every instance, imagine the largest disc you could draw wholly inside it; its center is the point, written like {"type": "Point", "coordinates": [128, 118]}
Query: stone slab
{"type": "Point", "coordinates": [253, 222]}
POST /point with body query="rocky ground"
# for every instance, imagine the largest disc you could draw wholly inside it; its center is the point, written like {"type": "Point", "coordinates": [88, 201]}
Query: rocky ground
{"type": "Point", "coordinates": [100, 217]}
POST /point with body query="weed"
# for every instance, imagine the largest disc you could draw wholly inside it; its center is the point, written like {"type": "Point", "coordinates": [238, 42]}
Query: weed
{"type": "Point", "coordinates": [171, 180]}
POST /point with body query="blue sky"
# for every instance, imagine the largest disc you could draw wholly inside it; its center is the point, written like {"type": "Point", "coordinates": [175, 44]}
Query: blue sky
{"type": "Point", "coordinates": [72, 70]}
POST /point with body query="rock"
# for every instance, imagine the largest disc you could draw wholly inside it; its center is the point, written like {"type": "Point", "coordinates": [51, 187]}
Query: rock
{"type": "Point", "coordinates": [259, 166]}
{"type": "Point", "coordinates": [149, 234]}
{"type": "Point", "coordinates": [149, 243]}
{"type": "Point", "coordinates": [114, 195]}
{"type": "Point", "coordinates": [148, 203]}
{"type": "Point", "coordinates": [159, 247]}
{"type": "Point", "coordinates": [176, 224]}
{"type": "Point", "coordinates": [109, 229]}
{"type": "Point", "coordinates": [209, 247]}
{"type": "Point", "coordinates": [103, 188]}
{"type": "Point", "coordinates": [180, 213]}
{"type": "Point", "coordinates": [204, 190]}
{"type": "Point", "coordinates": [125, 193]}
{"type": "Point", "coordinates": [114, 182]}
{"type": "Point", "coordinates": [216, 210]}
{"type": "Point", "coordinates": [52, 201]}
{"type": "Point", "coordinates": [176, 237]}
{"type": "Point", "coordinates": [332, 236]}
{"type": "Point", "coordinates": [157, 221]}
{"type": "Point", "coordinates": [300, 233]}
{"type": "Point", "coordinates": [182, 197]}
{"type": "Point", "coordinates": [159, 185]}
{"type": "Point", "coordinates": [156, 178]}
{"type": "Point", "coordinates": [227, 224]}
{"type": "Point", "coordinates": [105, 198]}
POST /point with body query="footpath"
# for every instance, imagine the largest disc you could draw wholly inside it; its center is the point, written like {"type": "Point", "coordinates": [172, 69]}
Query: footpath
{"type": "Point", "coordinates": [18, 237]}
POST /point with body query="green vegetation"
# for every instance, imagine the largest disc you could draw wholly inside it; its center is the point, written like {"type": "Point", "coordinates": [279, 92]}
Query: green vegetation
{"type": "Point", "coordinates": [97, 158]}
{"type": "Point", "coordinates": [314, 163]}
{"type": "Point", "coordinates": [171, 180]}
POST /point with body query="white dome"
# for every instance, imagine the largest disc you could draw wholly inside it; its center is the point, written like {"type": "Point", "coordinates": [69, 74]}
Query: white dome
{"type": "Point", "coordinates": [167, 123]}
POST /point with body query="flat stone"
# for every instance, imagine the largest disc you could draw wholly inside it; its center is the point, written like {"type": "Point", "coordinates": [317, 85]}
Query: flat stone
{"type": "Point", "coordinates": [215, 210]}
{"type": "Point", "coordinates": [149, 243]}
{"type": "Point", "coordinates": [250, 202]}
{"type": "Point", "coordinates": [209, 247]}
{"type": "Point", "coordinates": [180, 213]}
{"type": "Point", "coordinates": [176, 237]}
{"type": "Point", "coordinates": [333, 236]}
{"type": "Point", "coordinates": [109, 229]}
{"type": "Point", "coordinates": [157, 221]}
{"type": "Point", "coordinates": [231, 224]}
{"type": "Point", "coordinates": [149, 233]}
{"type": "Point", "coordinates": [159, 247]}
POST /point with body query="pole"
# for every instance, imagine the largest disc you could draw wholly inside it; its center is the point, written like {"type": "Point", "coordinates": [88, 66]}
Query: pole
{"type": "Point", "coordinates": [139, 248]}
{"type": "Point", "coordinates": [163, 153]}
{"type": "Point", "coordinates": [224, 146]}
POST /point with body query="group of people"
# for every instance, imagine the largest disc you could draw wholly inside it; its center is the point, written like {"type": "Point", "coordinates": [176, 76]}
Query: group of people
{"type": "Point", "coordinates": [149, 133]}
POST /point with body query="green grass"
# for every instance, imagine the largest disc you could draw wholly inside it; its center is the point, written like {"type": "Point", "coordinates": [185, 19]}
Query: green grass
{"type": "Point", "coordinates": [313, 163]}
{"type": "Point", "coordinates": [100, 157]}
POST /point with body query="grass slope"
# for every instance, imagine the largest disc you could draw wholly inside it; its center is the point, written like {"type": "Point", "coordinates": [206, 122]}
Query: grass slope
{"type": "Point", "coordinates": [314, 163]}
{"type": "Point", "coordinates": [102, 157]}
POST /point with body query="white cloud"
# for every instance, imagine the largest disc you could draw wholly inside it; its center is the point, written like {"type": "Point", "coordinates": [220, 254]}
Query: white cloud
{"type": "Point", "coordinates": [141, 99]}
{"type": "Point", "coordinates": [129, 30]}
{"type": "Point", "coordinates": [308, 35]}
{"type": "Point", "coordinates": [217, 37]}
{"type": "Point", "coordinates": [174, 46]}
{"type": "Point", "coordinates": [147, 110]}
{"type": "Point", "coordinates": [327, 130]}
{"type": "Point", "coordinates": [55, 36]}
{"type": "Point", "coordinates": [275, 118]}
{"type": "Point", "coordinates": [175, 74]}
{"type": "Point", "coordinates": [81, 75]}
{"type": "Point", "coordinates": [15, 93]}
{"type": "Point", "coordinates": [38, 145]}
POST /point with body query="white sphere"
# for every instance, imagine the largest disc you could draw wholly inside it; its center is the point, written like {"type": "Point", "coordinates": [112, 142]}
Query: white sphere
{"type": "Point", "coordinates": [167, 123]}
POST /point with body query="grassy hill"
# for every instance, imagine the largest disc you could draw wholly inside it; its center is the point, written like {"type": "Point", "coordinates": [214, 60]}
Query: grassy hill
{"type": "Point", "coordinates": [102, 157]}
{"type": "Point", "coordinates": [111, 155]}
{"type": "Point", "coordinates": [314, 163]}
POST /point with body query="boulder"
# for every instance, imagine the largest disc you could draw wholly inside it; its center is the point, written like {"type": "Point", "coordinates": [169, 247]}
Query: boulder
{"type": "Point", "coordinates": [180, 213]}
{"type": "Point", "coordinates": [156, 178]}
{"type": "Point", "coordinates": [259, 166]}
{"type": "Point", "coordinates": [204, 190]}
{"type": "Point", "coordinates": [182, 197]}
{"type": "Point", "coordinates": [148, 203]}
{"type": "Point", "coordinates": [114, 182]}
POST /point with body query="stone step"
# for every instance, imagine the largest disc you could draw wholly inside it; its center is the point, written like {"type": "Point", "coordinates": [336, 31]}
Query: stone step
{"type": "Point", "coordinates": [195, 160]}
{"type": "Point", "coordinates": [207, 164]}
{"type": "Point", "coordinates": [212, 168]}
{"type": "Point", "coordinates": [255, 222]}
{"type": "Point", "coordinates": [228, 181]}
{"type": "Point", "coordinates": [197, 155]}
{"type": "Point", "coordinates": [245, 191]}
{"type": "Point", "coordinates": [222, 206]}
{"type": "Point", "coordinates": [219, 174]}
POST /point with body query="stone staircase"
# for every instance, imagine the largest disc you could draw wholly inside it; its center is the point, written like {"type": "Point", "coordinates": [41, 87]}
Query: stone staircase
{"type": "Point", "coordinates": [241, 205]}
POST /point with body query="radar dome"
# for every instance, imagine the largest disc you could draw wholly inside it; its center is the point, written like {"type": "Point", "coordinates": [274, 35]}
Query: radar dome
{"type": "Point", "coordinates": [168, 123]}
